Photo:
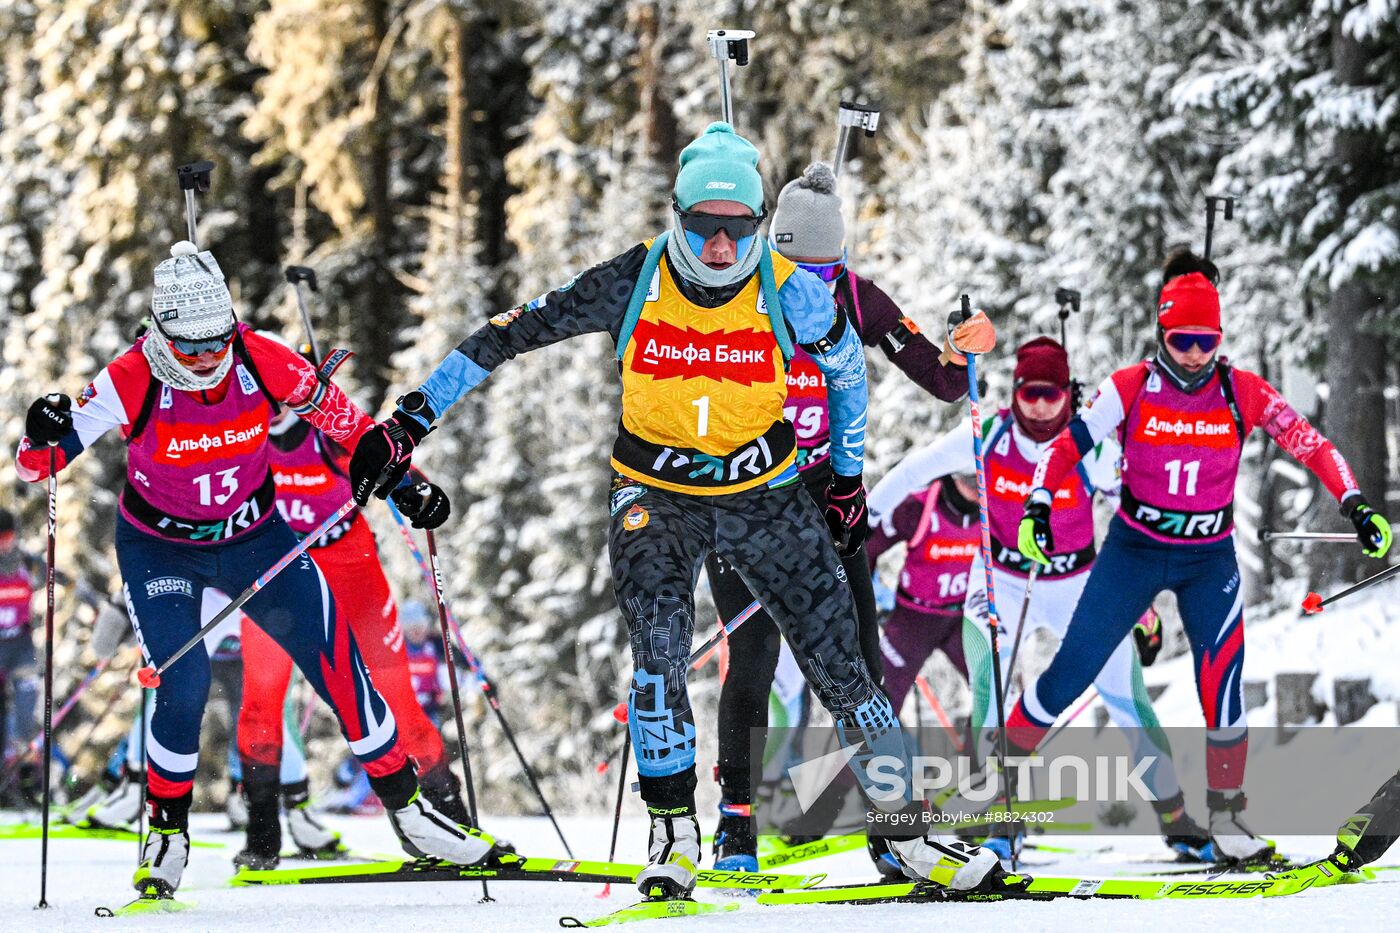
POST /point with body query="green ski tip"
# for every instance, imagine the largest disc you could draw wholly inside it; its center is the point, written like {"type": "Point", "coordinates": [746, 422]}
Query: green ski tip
{"type": "Point", "coordinates": [146, 904]}
{"type": "Point", "coordinates": [649, 910]}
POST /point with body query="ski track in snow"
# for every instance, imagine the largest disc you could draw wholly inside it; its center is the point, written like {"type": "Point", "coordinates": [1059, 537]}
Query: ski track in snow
{"type": "Point", "coordinates": [86, 874]}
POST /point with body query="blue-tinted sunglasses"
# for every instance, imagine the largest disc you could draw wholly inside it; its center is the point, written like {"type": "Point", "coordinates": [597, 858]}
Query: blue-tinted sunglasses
{"type": "Point", "coordinates": [1185, 341]}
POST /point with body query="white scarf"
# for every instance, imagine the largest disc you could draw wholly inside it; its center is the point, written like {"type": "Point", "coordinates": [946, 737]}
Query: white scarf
{"type": "Point", "coordinates": [170, 371]}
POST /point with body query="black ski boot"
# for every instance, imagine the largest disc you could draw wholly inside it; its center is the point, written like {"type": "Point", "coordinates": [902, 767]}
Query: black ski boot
{"type": "Point", "coordinates": [1180, 832]}
{"type": "Point", "coordinates": [264, 840]}
{"type": "Point", "coordinates": [885, 861]}
{"type": "Point", "coordinates": [735, 848]}
{"type": "Point", "coordinates": [444, 790]}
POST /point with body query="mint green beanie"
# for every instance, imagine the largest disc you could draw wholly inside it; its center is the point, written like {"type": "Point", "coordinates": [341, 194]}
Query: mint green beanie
{"type": "Point", "coordinates": [720, 165]}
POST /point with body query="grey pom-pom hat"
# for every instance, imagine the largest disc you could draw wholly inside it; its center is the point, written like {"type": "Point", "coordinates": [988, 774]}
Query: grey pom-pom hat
{"type": "Point", "coordinates": [807, 221]}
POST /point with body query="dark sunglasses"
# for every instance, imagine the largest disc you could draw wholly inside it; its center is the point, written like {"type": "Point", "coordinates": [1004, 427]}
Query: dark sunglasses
{"type": "Point", "coordinates": [1040, 393]}
{"type": "Point", "coordinates": [826, 271]}
{"type": "Point", "coordinates": [1184, 342]}
{"type": "Point", "coordinates": [707, 225]}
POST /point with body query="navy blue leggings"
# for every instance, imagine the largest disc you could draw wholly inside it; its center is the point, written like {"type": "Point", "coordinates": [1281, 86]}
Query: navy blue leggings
{"type": "Point", "coordinates": [164, 582]}
{"type": "Point", "coordinates": [1130, 571]}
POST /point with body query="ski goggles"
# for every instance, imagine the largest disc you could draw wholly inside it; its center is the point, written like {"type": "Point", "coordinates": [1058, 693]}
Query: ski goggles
{"type": "Point", "coordinates": [1039, 392]}
{"type": "Point", "coordinates": [188, 352]}
{"type": "Point", "coordinates": [707, 225]}
{"type": "Point", "coordinates": [1183, 341]}
{"type": "Point", "coordinates": [826, 271]}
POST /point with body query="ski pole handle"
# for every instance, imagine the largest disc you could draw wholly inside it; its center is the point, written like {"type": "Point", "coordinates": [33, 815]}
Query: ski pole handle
{"type": "Point", "coordinates": [699, 654]}
{"type": "Point", "coordinates": [149, 676]}
{"type": "Point", "coordinates": [1338, 537]}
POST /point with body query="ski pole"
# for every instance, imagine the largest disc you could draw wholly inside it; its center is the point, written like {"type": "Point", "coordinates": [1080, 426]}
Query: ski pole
{"type": "Point", "coordinates": [992, 625]}
{"type": "Point", "coordinates": [700, 655]}
{"type": "Point", "coordinates": [1228, 210]}
{"type": "Point", "coordinates": [488, 689]}
{"type": "Point", "coordinates": [1339, 537]}
{"type": "Point", "coordinates": [49, 575]}
{"type": "Point", "coordinates": [456, 696]}
{"type": "Point", "coordinates": [620, 714]}
{"type": "Point", "coordinates": [295, 276]}
{"type": "Point", "coordinates": [927, 693]}
{"type": "Point", "coordinates": [849, 118]}
{"type": "Point", "coordinates": [1089, 699]}
{"type": "Point", "coordinates": [1020, 627]}
{"type": "Point", "coordinates": [194, 179]}
{"type": "Point", "coordinates": [1313, 603]}
{"type": "Point", "coordinates": [727, 45]}
{"type": "Point", "coordinates": [149, 676]}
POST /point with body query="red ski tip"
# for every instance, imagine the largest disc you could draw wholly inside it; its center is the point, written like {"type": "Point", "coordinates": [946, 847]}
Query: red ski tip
{"type": "Point", "coordinates": [148, 678]}
{"type": "Point", "coordinates": [620, 712]}
{"type": "Point", "coordinates": [1312, 604]}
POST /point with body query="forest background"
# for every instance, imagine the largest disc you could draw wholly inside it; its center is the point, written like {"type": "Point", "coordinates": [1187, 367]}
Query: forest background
{"type": "Point", "coordinates": [438, 161]}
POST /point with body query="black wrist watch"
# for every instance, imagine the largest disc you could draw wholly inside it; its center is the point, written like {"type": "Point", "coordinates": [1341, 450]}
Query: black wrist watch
{"type": "Point", "coordinates": [416, 403]}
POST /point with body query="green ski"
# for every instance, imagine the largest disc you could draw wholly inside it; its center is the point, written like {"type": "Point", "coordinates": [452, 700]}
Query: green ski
{"type": "Point", "coordinates": [1041, 889]}
{"type": "Point", "coordinates": [775, 854]}
{"type": "Point", "coordinates": [660, 909]}
{"type": "Point", "coordinates": [73, 831]}
{"type": "Point", "coordinates": [150, 902]}
{"type": "Point", "coordinates": [523, 869]}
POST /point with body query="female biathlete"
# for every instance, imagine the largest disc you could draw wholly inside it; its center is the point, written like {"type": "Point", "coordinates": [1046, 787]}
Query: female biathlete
{"type": "Point", "coordinates": [1182, 419]}
{"type": "Point", "coordinates": [193, 399]}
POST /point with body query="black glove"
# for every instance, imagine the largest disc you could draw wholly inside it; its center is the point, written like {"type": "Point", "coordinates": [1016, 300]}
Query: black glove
{"type": "Point", "coordinates": [383, 456]}
{"type": "Point", "coordinates": [425, 504]}
{"type": "Point", "coordinates": [846, 515]}
{"type": "Point", "coordinates": [1147, 634]}
{"type": "Point", "coordinates": [49, 420]}
{"type": "Point", "coordinates": [1372, 530]}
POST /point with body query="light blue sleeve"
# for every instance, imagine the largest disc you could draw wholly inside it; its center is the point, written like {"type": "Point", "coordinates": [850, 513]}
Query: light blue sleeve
{"type": "Point", "coordinates": [811, 313]}
{"type": "Point", "coordinates": [454, 377]}
{"type": "Point", "coordinates": [808, 306]}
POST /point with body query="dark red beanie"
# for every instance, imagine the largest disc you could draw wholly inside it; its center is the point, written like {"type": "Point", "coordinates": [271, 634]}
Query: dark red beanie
{"type": "Point", "coordinates": [1189, 301]}
{"type": "Point", "coordinates": [1042, 360]}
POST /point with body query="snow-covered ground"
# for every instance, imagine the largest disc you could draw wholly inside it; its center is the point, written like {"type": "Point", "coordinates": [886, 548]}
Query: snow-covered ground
{"type": "Point", "coordinates": [86, 874]}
